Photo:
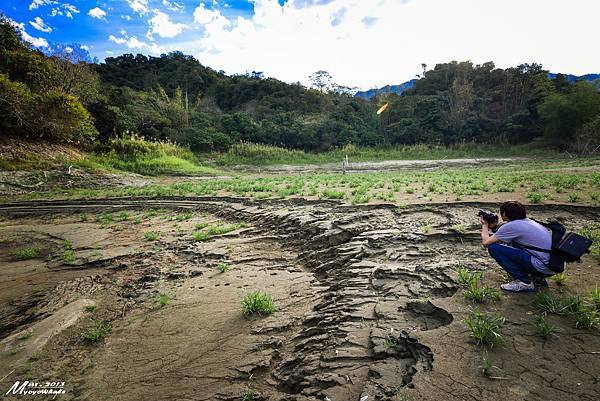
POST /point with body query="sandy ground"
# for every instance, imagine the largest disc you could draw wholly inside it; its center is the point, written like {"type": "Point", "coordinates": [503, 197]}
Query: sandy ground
{"type": "Point", "coordinates": [368, 304]}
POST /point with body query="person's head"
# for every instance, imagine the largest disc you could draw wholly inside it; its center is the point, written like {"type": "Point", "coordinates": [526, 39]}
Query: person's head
{"type": "Point", "coordinates": [512, 210]}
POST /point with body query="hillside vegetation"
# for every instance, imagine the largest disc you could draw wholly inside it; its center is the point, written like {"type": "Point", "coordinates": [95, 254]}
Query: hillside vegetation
{"type": "Point", "coordinates": [174, 98]}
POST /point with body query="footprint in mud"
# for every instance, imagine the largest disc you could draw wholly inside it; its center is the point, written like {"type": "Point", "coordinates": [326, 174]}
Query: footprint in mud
{"type": "Point", "coordinates": [426, 315]}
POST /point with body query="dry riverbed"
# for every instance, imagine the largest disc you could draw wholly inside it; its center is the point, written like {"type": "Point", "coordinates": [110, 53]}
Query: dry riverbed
{"type": "Point", "coordinates": [368, 303]}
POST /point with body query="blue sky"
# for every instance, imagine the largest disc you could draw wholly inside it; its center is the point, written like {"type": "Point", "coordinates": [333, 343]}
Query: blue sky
{"type": "Point", "coordinates": [362, 43]}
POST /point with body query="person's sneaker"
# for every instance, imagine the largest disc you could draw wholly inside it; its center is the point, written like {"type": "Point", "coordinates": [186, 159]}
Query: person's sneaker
{"type": "Point", "coordinates": [518, 286]}
{"type": "Point", "coordinates": [539, 281]}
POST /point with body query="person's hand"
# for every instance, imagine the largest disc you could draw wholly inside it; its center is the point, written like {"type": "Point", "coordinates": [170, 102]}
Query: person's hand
{"type": "Point", "coordinates": [483, 222]}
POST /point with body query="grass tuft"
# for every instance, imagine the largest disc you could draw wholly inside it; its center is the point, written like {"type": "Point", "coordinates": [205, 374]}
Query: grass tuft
{"type": "Point", "coordinates": [258, 302]}
{"type": "Point", "coordinates": [31, 252]}
{"type": "Point", "coordinates": [97, 331]}
{"type": "Point", "coordinates": [486, 329]}
{"type": "Point", "coordinates": [543, 327]}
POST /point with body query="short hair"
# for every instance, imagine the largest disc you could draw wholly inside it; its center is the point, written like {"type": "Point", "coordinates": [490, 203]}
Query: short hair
{"type": "Point", "coordinates": [513, 210]}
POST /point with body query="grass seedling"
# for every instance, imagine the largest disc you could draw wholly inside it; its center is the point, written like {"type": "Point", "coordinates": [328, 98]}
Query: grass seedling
{"type": "Point", "coordinates": [543, 327]}
{"type": "Point", "coordinates": [464, 275]}
{"type": "Point", "coordinates": [123, 216]}
{"type": "Point", "coordinates": [459, 228]}
{"type": "Point", "coordinates": [201, 226]}
{"type": "Point", "coordinates": [548, 302]}
{"type": "Point", "coordinates": [257, 302]}
{"type": "Point", "coordinates": [573, 198]}
{"type": "Point", "coordinates": [68, 256]}
{"type": "Point", "coordinates": [594, 297]}
{"type": "Point", "coordinates": [426, 229]}
{"type": "Point", "coordinates": [222, 267]}
{"type": "Point", "coordinates": [38, 289]}
{"type": "Point", "coordinates": [91, 308]}
{"type": "Point", "coordinates": [164, 299]}
{"type": "Point", "coordinates": [35, 356]}
{"type": "Point", "coordinates": [560, 278]}
{"type": "Point", "coordinates": [25, 335]}
{"type": "Point", "coordinates": [248, 395]}
{"type": "Point", "coordinates": [587, 318]}
{"type": "Point", "coordinates": [83, 217]}
{"type": "Point", "coordinates": [96, 332]}
{"type": "Point", "coordinates": [31, 252]}
{"type": "Point", "coordinates": [480, 295]}
{"type": "Point", "coordinates": [118, 227]}
{"type": "Point", "coordinates": [201, 236]}
{"type": "Point", "coordinates": [535, 197]}
{"type": "Point", "coordinates": [390, 342]}
{"type": "Point", "coordinates": [151, 235]}
{"type": "Point", "coordinates": [485, 329]}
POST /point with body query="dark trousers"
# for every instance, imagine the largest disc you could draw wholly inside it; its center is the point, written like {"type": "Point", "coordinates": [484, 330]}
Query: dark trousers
{"type": "Point", "coordinates": [516, 262]}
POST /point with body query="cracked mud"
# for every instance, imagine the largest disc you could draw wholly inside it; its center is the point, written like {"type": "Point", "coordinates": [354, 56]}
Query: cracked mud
{"type": "Point", "coordinates": [367, 304]}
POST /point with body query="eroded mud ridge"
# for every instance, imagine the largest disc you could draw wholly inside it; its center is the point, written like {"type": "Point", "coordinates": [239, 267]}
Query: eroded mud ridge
{"type": "Point", "coordinates": [368, 278]}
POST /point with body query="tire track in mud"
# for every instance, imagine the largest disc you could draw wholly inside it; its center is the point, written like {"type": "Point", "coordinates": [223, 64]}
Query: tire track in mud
{"type": "Point", "coordinates": [377, 273]}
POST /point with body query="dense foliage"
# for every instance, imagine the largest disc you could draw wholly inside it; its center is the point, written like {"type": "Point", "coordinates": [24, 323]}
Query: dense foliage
{"type": "Point", "coordinates": [173, 97]}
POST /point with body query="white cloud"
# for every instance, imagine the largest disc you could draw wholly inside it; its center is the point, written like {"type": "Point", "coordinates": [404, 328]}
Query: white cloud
{"type": "Point", "coordinates": [138, 6]}
{"type": "Point", "coordinates": [133, 42]}
{"type": "Point", "coordinates": [172, 5]}
{"type": "Point", "coordinates": [39, 24]}
{"type": "Point", "coordinates": [161, 25]}
{"type": "Point", "coordinates": [38, 3]}
{"type": "Point", "coordinates": [97, 12]}
{"type": "Point", "coordinates": [84, 47]}
{"type": "Point", "coordinates": [126, 17]}
{"type": "Point", "coordinates": [373, 43]}
{"type": "Point", "coordinates": [65, 9]}
{"type": "Point", "coordinates": [37, 42]}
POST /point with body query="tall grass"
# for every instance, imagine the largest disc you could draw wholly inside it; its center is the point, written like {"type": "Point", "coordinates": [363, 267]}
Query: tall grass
{"type": "Point", "coordinates": [138, 155]}
{"type": "Point", "coordinates": [259, 154]}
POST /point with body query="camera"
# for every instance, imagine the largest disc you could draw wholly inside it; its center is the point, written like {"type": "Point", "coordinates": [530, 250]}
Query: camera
{"type": "Point", "coordinates": [490, 217]}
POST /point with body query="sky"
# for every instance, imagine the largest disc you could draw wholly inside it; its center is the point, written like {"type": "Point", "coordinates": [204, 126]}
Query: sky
{"type": "Point", "coordinates": [361, 43]}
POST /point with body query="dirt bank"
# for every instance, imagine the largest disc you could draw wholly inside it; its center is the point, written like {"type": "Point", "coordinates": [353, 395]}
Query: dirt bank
{"type": "Point", "coordinates": [367, 303]}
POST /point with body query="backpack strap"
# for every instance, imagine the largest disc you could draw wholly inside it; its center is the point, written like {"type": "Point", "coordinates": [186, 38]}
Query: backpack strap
{"type": "Point", "coordinates": [533, 248]}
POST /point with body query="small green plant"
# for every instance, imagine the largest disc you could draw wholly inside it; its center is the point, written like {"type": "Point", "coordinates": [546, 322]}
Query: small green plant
{"type": "Point", "coordinates": [480, 295]}
{"type": "Point", "coordinates": [594, 297]}
{"type": "Point", "coordinates": [459, 228]}
{"type": "Point", "coordinates": [137, 220]}
{"type": "Point", "coordinates": [184, 216]}
{"type": "Point", "coordinates": [35, 356]}
{"type": "Point", "coordinates": [248, 395]}
{"type": "Point", "coordinates": [543, 327]}
{"type": "Point", "coordinates": [329, 193]}
{"type": "Point", "coordinates": [202, 225]}
{"type": "Point", "coordinates": [560, 278]}
{"type": "Point", "coordinates": [164, 299]}
{"type": "Point", "coordinates": [25, 335]}
{"type": "Point", "coordinates": [390, 342]}
{"type": "Point", "coordinates": [68, 256]}
{"type": "Point", "coordinates": [151, 235]}
{"type": "Point", "coordinates": [573, 198]}
{"type": "Point", "coordinates": [587, 318]}
{"type": "Point", "coordinates": [91, 308]}
{"type": "Point", "coordinates": [96, 332]}
{"type": "Point", "coordinates": [257, 302]}
{"type": "Point", "coordinates": [118, 227]}
{"type": "Point", "coordinates": [222, 267]}
{"type": "Point", "coordinates": [426, 229]}
{"type": "Point", "coordinates": [487, 366]}
{"type": "Point", "coordinates": [535, 197]}
{"type": "Point", "coordinates": [123, 216]}
{"type": "Point", "coordinates": [96, 252]}
{"type": "Point", "coordinates": [83, 217]}
{"type": "Point", "coordinates": [548, 302]}
{"type": "Point", "coordinates": [38, 289]}
{"type": "Point", "coordinates": [485, 329]}
{"type": "Point", "coordinates": [464, 275]}
{"type": "Point", "coordinates": [31, 252]}
{"type": "Point", "coordinates": [201, 236]}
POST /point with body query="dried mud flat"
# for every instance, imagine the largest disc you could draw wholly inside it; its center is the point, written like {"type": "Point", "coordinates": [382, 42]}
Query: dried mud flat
{"type": "Point", "coordinates": [367, 304]}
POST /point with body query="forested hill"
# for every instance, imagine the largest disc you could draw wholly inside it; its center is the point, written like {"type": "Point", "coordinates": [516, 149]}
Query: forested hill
{"type": "Point", "coordinates": [175, 97]}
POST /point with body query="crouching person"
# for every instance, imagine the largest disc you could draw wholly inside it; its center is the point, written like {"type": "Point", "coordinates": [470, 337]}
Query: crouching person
{"type": "Point", "coordinates": [527, 267]}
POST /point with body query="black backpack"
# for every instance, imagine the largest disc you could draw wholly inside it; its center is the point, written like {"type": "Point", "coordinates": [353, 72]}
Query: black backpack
{"type": "Point", "coordinates": [566, 246]}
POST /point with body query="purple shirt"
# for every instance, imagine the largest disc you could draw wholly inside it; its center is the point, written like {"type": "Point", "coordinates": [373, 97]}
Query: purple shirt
{"type": "Point", "coordinates": [528, 232]}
